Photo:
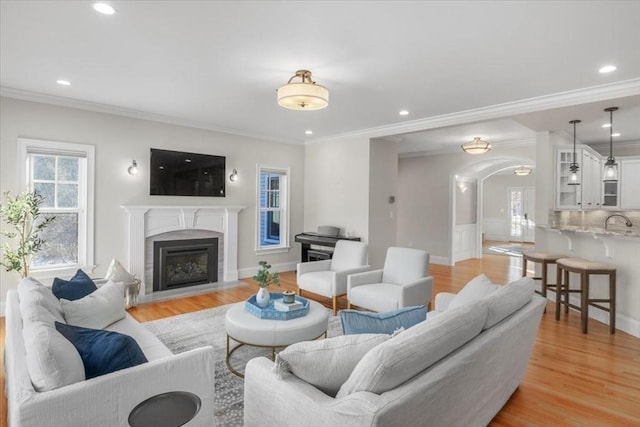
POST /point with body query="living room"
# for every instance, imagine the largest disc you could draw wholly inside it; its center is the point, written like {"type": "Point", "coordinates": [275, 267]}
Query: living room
{"type": "Point", "coordinates": [124, 103]}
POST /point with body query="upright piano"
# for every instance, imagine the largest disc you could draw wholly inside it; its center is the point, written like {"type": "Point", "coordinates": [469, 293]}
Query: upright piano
{"type": "Point", "coordinates": [309, 238]}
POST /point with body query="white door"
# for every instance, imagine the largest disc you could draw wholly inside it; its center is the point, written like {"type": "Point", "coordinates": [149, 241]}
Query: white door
{"type": "Point", "coordinates": [522, 203]}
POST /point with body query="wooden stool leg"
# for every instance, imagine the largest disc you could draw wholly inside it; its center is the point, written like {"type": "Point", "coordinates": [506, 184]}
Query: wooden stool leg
{"type": "Point", "coordinates": [335, 305]}
{"type": "Point", "coordinates": [566, 291]}
{"type": "Point", "coordinates": [558, 291]}
{"type": "Point", "coordinates": [612, 302]}
{"type": "Point", "coordinates": [524, 266]}
{"type": "Point", "coordinates": [584, 301]}
{"type": "Point", "coordinates": [543, 289]}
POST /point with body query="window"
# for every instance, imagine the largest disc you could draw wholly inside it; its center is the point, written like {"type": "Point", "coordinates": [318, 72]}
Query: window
{"type": "Point", "coordinates": [63, 174]}
{"type": "Point", "coordinates": [273, 200]}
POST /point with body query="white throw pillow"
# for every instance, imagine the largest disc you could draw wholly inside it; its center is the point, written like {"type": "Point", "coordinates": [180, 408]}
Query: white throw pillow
{"type": "Point", "coordinates": [117, 273]}
{"type": "Point", "coordinates": [52, 361]}
{"type": "Point", "coordinates": [97, 310]}
{"type": "Point", "coordinates": [33, 294]}
{"type": "Point", "coordinates": [326, 364]}
{"type": "Point", "coordinates": [477, 288]}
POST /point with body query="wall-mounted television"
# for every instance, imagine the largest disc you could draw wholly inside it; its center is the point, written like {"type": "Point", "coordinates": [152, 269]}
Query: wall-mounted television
{"type": "Point", "coordinates": [176, 173]}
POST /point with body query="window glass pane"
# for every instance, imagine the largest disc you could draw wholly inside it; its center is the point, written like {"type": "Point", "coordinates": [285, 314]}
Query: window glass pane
{"type": "Point", "coordinates": [46, 190]}
{"type": "Point", "coordinates": [274, 182]}
{"type": "Point", "coordinates": [44, 168]}
{"type": "Point", "coordinates": [68, 195]}
{"type": "Point", "coordinates": [274, 199]}
{"type": "Point", "coordinates": [68, 168]}
{"type": "Point", "coordinates": [269, 229]}
{"type": "Point", "coordinates": [61, 241]}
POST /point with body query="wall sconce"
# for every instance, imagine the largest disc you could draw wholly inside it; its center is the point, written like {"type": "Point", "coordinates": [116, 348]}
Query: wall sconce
{"type": "Point", "coordinates": [234, 175]}
{"type": "Point", "coordinates": [133, 169]}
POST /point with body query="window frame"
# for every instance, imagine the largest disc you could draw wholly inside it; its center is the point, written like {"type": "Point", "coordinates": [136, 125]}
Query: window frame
{"type": "Point", "coordinates": [285, 196]}
{"type": "Point", "coordinates": [86, 190]}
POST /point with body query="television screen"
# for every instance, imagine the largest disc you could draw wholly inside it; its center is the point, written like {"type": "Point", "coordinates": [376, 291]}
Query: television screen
{"type": "Point", "coordinates": [175, 173]}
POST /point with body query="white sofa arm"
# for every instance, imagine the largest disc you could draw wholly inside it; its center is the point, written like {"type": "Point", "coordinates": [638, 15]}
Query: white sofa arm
{"type": "Point", "coordinates": [417, 293]}
{"type": "Point", "coordinates": [340, 284]}
{"type": "Point", "coordinates": [299, 403]}
{"type": "Point", "coordinates": [373, 276]}
{"type": "Point", "coordinates": [442, 301]}
{"type": "Point", "coordinates": [106, 401]}
{"type": "Point", "coordinates": [308, 267]}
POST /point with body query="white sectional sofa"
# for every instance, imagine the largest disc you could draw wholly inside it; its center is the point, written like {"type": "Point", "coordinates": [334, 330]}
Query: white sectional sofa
{"type": "Point", "coordinates": [107, 400]}
{"type": "Point", "coordinates": [457, 368]}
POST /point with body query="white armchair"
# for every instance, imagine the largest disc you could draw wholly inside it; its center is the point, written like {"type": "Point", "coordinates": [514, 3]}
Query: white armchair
{"type": "Point", "coordinates": [404, 281]}
{"type": "Point", "coordinates": [329, 277]}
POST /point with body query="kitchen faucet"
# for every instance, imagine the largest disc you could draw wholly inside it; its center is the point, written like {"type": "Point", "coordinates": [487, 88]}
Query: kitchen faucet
{"type": "Point", "coordinates": [627, 223]}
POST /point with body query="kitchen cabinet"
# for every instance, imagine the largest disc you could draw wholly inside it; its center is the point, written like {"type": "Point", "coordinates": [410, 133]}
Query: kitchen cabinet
{"type": "Point", "coordinates": [591, 180]}
{"type": "Point", "coordinates": [589, 194]}
{"type": "Point", "coordinates": [629, 181]}
{"type": "Point", "coordinates": [567, 196]}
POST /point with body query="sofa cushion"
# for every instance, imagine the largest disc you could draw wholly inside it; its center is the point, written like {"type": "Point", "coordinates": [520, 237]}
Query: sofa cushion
{"type": "Point", "coordinates": [80, 285]}
{"type": "Point", "coordinates": [117, 273]}
{"type": "Point", "coordinates": [477, 288]}
{"type": "Point", "coordinates": [52, 361]}
{"type": "Point", "coordinates": [506, 300]}
{"type": "Point", "coordinates": [366, 322]}
{"type": "Point", "coordinates": [102, 352]}
{"type": "Point", "coordinates": [414, 350]}
{"type": "Point", "coordinates": [326, 364]}
{"type": "Point", "coordinates": [98, 309]}
{"type": "Point", "coordinates": [151, 346]}
{"type": "Point", "coordinates": [34, 296]}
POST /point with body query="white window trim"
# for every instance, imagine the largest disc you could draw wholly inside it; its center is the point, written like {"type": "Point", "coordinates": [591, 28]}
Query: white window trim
{"type": "Point", "coordinates": [86, 234]}
{"type": "Point", "coordinates": [284, 216]}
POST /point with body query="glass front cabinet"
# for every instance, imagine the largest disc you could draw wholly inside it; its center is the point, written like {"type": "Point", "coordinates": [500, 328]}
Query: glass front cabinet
{"type": "Point", "coordinates": [567, 196]}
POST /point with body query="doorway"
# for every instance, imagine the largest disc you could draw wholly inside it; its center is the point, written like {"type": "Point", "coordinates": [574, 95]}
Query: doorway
{"type": "Point", "coordinates": [522, 223]}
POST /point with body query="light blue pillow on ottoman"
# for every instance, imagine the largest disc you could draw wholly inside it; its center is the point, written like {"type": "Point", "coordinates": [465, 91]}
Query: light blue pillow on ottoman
{"type": "Point", "coordinates": [366, 322]}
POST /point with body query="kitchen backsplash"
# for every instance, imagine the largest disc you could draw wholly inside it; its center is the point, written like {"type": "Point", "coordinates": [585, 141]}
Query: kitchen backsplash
{"type": "Point", "coordinates": [594, 219]}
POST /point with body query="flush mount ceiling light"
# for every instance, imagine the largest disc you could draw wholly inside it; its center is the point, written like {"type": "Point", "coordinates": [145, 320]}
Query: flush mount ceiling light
{"type": "Point", "coordinates": [477, 146]}
{"type": "Point", "coordinates": [610, 167]}
{"type": "Point", "coordinates": [523, 171]}
{"type": "Point", "coordinates": [104, 8]}
{"type": "Point", "coordinates": [574, 179]}
{"type": "Point", "coordinates": [305, 95]}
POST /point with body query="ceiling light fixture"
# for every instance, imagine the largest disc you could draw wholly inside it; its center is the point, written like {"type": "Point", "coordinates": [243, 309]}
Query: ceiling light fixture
{"type": "Point", "coordinates": [305, 95]}
{"type": "Point", "coordinates": [403, 112]}
{"type": "Point", "coordinates": [610, 167]}
{"type": "Point", "coordinates": [477, 146]}
{"type": "Point", "coordinates": [62, 82]}
{"type": "Point", "coordinates": [523, 171]}
{"type": "Point", "coordinates": [607, 69]}
{"type": "Point", "coordinates": [104, 8]}
{"type": "Point", "coordinates": [308, 132]}
{"type": "Point", "coordinates": [574, 179]}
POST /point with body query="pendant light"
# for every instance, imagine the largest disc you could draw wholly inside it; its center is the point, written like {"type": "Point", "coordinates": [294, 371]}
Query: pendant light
{"type": "Point", "coordinates": [574, 179]}
{"type": "Point", "coordinates": [610, 167]}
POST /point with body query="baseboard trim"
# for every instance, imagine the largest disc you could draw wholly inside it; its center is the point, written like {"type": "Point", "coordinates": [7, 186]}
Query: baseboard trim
{"type": "Point", "coordinates": [439, 260]}
{"type": "Point", "coordinates": [243, 273]}
{"type": "Point", "coordinates": [623, 323]}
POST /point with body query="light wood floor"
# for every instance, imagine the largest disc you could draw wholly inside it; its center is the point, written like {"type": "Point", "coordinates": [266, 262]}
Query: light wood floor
{"type": "Point", "coordinates": [572, 380]}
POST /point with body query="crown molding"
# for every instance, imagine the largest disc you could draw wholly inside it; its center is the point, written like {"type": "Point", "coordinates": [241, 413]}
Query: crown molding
{"type": "Point", "coordinates": [96, 107]}
{"type": "Point", "coordinates": [622, 144]}
{"type": "Point", "coordinates": [558, 100]}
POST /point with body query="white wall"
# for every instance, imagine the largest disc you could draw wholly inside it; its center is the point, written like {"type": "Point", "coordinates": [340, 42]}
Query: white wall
{"type": "Point", "coordinates": [383, 183]}
{"type": "Point", "coordinates": [495, 206]}
{"type": "Point", "coordinates": [118, 140]}
{"type": "Point", "coordinates": [336, 186]}
{"type": "Point", "coordinates": [424, 193]}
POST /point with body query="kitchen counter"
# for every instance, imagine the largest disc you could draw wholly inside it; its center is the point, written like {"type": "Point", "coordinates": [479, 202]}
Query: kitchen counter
{"type": "Point", "coordinates": [592, 230]}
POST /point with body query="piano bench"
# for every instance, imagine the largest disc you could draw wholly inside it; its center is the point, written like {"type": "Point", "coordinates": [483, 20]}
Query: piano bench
{"type": "Point", "coordinates": [318, 255]}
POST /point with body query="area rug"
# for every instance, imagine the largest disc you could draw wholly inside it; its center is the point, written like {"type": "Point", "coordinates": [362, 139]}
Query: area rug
{"type": "Point", "coordinates": [206, 327]}
{"type": "Point", "coordinates": [510, 250]}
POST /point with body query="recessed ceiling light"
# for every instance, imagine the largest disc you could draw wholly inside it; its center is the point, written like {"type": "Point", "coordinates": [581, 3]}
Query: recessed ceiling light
{"type": "Point", "coordinates": [615, 134]}
{"type": "Point", "coordinates": [63, 82]}
{"type": "Point", "coordinates": [308, 132]}
{"type": "Point", "coordinates": [403, 112]}
{"type": "Point", "coordinates": [606, 125]}
{"type": "Point", "coordinates": [104, 8]}
{"type": "Point", "coordinates": [607, 69]}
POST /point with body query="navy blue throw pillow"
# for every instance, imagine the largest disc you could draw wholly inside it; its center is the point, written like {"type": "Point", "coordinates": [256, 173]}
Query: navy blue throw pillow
{"type": "Point", "coordinates": [366, 322]}
{"type": "Point", "coordinates": [101, 351]}
{"type": "Point", "coordinates": [79, 286]}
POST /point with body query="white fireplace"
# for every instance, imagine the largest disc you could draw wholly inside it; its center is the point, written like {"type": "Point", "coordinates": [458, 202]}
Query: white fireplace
{"type": "Point", "coordinates": [149, 221]}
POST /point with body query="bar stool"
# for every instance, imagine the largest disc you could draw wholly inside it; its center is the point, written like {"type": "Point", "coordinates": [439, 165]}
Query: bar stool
{"type": "Point", "coordinates": [541, 258]}
{"type": "Point", "coordinates": [585, 268]}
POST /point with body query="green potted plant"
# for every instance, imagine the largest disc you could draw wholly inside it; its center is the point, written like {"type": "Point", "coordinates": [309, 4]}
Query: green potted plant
{"type": "Point", "coordinates": [22, 214]}
{"type": "Point", "coordinates": [265, 278]}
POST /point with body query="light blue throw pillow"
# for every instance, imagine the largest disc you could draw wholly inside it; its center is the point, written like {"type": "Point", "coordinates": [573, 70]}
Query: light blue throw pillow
{"type": "Point", "coordinates": [366, 322]}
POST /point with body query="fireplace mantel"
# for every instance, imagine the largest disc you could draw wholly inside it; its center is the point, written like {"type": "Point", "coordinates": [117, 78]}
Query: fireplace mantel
{"type": "Point", "coordinates": [148, 220]}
